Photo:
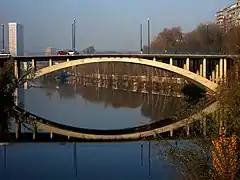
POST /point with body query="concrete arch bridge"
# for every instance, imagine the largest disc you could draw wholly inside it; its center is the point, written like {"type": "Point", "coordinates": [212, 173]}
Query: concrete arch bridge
{"type": "Point", "coordinates": [203, 70]}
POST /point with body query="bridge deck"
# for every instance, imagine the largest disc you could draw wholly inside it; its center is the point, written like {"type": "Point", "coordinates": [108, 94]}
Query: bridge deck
{"type": "Point", "coordinates": [146, 56]}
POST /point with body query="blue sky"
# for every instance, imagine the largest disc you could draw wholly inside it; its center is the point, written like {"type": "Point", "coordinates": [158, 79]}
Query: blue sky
{"type": "Point", "coordinates": [106, 24]}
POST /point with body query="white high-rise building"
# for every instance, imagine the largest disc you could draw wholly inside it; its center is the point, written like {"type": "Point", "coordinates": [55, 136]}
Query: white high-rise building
{"type": "Point", "coordinates": [15, 39]}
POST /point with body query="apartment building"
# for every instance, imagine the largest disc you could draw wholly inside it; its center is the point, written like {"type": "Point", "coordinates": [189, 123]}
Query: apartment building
{"type": "Point", "coordinates": [229, 16]}
{"type": "Point", "coordinates": [15, 39]}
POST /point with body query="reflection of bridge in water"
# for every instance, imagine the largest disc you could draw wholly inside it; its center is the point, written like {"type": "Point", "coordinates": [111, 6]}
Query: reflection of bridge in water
{"type": "Point", "coordinates": [135, 133]}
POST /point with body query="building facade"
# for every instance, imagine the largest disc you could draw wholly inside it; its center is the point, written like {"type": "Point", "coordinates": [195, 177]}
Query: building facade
{"type": "Point", "coordinates": [229, 16]}
{"type": "Point", "coordinates": [15, 39]}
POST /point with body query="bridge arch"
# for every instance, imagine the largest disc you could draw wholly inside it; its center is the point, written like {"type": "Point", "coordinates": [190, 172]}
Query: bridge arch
{"type": "Point", "coordinates": [192, 77]}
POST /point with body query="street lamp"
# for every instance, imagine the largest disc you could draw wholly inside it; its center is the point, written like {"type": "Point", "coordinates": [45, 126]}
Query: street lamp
{"type": "Point", "coordinates": [3, 38]}
{"type": "Point", "coordinates": [207, 38]}
{"type": "Point", "coordinates": [141, 36]}
{"type": "Point", "coordinates": [73, 34]}
{"type": "Point", "coordinates": [149, 36]}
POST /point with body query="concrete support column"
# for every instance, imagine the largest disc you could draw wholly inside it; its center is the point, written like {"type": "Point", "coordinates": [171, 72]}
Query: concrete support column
{"type": "Point", "coordinates": [197, 72]}
{"type": "Point", "coordinates": [217, 73]}
{"type": "Point", "coordinates": [221, 69]}
{"type": "Point", "coordinates": [17, 75]}
{"type": "Point", "coordinates": [171, 133]}
{"type": "Point", "coordinates": [51, 135]}
{"type": "Point", "coordinates": [18, 129]}
{"type": "Point", "coordinates": [34, 132]}
{"type": "Point", "coordinates": [225, 69]}
{"type": "Point", "coordinates": [187, 64]}
{"type": "Point", "coordinates": [201, 70]}
{"type": "Point", "coordinates": [50, 62]}
{"type": "Point", "coordinates": [213, 76]}
{"type": "Point", "coordinates": [205, 67]}
{"type": "Point", "coordinates": [171, 61]}
{"type": "Point", "coordinates": [67, 59]}
{"type": "Point", "coordinates": [34, 65]}
{"type": "Point", "coordinates": [17, 69]}
{"type": "Point", "coordinates": [25, 67]}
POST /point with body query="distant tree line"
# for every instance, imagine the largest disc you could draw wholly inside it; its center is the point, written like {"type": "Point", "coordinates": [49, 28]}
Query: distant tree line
{"type": "Point", "coordinates": [205, 38]}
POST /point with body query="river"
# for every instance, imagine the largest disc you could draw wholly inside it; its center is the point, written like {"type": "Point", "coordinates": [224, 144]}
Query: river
{"type": "Point", "coordinates": [93, 108]}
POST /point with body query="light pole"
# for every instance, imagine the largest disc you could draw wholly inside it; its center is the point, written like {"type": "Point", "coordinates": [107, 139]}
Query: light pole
{"type": "Point", "coordinates": [73, 34]}
{"type": "Point", "coordinates": [149, 36]}
{"type": "Point", "coordinates": [141, 40]}
{"type": "Point", "coordinates": [207, 38]}
{"type": "Point", "coordinates": [3, 38]}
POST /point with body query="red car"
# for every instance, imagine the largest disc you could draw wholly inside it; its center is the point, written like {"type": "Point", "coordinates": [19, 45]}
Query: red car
{"type": "Point", "coordinates": [61, 53]}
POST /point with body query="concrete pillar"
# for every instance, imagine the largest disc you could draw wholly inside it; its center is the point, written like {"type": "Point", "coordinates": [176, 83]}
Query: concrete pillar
{"type": "Point", "coordinates": [25, 67]}
{"type": "Point", "coordinates": [67, 59]}
{"type": "Point", "coordinates": [51, 135]}
{"type": "Point", "coordinates": [34, 132]}
{"type": "Point", "coordinates": [17, 69]}
{"type": "Point", "coordinates": [217, 73]}
{"type": "Point", "coordinates": [225, 69]}
{"type": "Point", "coordinates": [154, 59]}
{"type": "Point", "coordinates": [17, 75]}
{"type": "Point", "coordinates": [50, 62]}
{"type": "Point", "coordinates": [213, 76]}
{"type": "Point", "coordinates": [205, 67]}
{"type": "Point", "coordinates": [221, 69]}
{"type": "Point", "coordinates": [171, 133]}
{"type": "Point", "coordinates": [18, 129]}
{"type": "Point", "coordinates": [187, 64]}
{"type": "Point", "coordinates": [171, 61]}
{"type": "Point", "coordinates": [197, 72]}
{"type": "Point", "coordinates": [34, 65]}
{"type": "Point", "coordinates": [201, 70]}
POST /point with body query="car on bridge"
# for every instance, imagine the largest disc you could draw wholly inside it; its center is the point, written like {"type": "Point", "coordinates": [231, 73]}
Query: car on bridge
{"type": "Point", "coordinates": [68, 52]}
{"type": "Point", "coordinates": [61, 53]}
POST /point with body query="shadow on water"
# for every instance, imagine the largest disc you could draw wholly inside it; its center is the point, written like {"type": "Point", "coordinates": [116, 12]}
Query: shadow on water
{"type": "Point", "coordinates": [193, 93]}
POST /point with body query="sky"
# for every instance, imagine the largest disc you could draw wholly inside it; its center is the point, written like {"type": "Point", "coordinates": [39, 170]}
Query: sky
{"type": "Point", "coordinates": [105, 24]}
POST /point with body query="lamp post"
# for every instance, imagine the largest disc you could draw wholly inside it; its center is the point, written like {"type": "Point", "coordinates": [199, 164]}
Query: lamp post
{"type": "Point", "coordinates": [3, 38]}
{"type": "Point", "coordinates": [207, 38]}
{"type": "Point", "coordinates": [141, 40]}
{"type": "Point", "coordinates": [73, 34]}
{"type": "Point", "coordinates": [149, 36]}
